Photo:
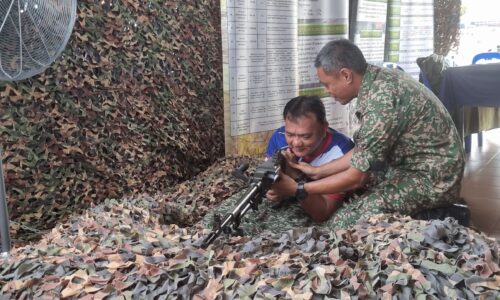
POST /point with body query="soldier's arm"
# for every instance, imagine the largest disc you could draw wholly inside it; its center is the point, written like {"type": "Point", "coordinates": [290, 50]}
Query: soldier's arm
{"type": "Point", "coordinates": [334, 167]}
{"type": "Point", "coordinates": [344, 181]}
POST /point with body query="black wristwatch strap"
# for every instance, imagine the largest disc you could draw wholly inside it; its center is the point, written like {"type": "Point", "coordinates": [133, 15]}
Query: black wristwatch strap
{"type": "Point", "coordinates": [301, 193]}
{"type": "Point", "coordinates": [302, 177]}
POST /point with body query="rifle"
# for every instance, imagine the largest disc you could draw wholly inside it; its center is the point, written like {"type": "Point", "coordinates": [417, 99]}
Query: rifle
{"type": "Point", "coordinates": [265, 175]}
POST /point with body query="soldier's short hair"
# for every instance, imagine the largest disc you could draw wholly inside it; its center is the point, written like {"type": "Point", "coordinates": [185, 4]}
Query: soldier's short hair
{"type": "Point", "coordinates": [303, 105]}
{"type": "Point", "coordinates": [339, 54]}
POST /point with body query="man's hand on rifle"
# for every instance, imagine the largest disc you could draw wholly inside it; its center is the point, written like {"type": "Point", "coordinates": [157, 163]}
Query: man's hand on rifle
{"type": "Point", "coordinates": [273, 196]}
{"type": "Point", "coordinates": [284, 187]}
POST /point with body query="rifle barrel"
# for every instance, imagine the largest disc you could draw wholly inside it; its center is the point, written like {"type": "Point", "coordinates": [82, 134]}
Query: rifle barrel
{"type": "Point", "coordinates": [239, 211]}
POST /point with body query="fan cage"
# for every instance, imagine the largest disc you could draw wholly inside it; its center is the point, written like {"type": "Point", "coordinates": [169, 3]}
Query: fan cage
{"type": "Point", "coordinates": [33, 33]}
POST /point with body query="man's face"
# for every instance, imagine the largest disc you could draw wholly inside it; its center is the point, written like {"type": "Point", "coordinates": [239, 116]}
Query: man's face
{"type": "Point", "coordinates": [337, 85]}
{"type": "Point", "coordinates": [304, 135]}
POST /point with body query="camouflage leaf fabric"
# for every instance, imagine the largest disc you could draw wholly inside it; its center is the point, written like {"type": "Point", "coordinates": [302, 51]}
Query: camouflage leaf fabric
{"type": "Point", "coordinates": [186, 203]}
{"type": "Point", "coordinates": [133, 105]}
{"type": "Point", "coordinates": [120, 250]}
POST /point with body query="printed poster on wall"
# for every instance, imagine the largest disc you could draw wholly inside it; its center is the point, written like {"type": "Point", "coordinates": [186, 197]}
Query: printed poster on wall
{"type": "Point", "coordinates": [369, 31]}
{"type": "Point", "coordinates": [269, 48]}
{"type": "Point", "coordinates": [320, 22]}
{"type": "Point", "coordinates": [411, 33]}
{"type": "Point", "coordinates": [262, 62]}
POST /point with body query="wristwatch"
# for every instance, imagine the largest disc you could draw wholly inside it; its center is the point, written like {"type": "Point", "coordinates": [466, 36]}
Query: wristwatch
{"type": "Point", "coordinates": [301, 193]}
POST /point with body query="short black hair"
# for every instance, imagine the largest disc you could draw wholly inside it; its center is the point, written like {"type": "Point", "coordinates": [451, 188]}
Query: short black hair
{"type": "Point", "coordinates": [339, 54]}
{"type": "Point", "coordinates": [303, 105]}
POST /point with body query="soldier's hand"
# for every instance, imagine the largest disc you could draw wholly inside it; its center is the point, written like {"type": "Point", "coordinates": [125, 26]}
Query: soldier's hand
{"type": "Point", "coordinates": [307, 169]}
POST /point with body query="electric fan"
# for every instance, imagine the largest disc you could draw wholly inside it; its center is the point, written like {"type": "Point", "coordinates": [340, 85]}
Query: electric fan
{"type": "Point", "coordinates": [33, 33]}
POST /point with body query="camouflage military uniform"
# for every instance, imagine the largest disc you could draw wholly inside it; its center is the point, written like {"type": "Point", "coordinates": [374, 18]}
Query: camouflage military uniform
{"type": "Point", "coordinates": [407, 133]}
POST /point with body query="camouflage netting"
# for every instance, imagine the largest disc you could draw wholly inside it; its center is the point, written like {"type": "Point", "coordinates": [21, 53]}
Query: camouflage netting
{"type": "Point", "coordinates": [187, 203]}
{"type": "Point", "coordinates": [125, 112]}
{"type": "Point", "coordinates": [124, 250]}
{"type": "Point", "coordinates": [133, 105]}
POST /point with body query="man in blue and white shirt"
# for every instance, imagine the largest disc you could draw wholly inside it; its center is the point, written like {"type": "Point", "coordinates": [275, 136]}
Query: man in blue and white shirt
{"type": "Point", "coordinates": [336, 145]}
{"type": "Point", "coordinates": [308, 137]}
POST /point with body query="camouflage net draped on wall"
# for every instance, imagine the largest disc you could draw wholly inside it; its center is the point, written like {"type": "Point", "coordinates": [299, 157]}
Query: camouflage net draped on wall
{"type": "Point", "coordinates": [446, 25]}
{"type": "Point", "coordinates": [133, 105]}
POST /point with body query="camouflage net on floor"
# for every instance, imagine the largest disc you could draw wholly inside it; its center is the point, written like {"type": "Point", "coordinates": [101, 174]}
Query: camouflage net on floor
{"type": "Point", "coordinates": [123, 250]}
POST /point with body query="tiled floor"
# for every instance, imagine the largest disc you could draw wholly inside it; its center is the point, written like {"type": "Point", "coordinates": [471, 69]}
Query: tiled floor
{"type": "Point", "coordinates": [481, 183]}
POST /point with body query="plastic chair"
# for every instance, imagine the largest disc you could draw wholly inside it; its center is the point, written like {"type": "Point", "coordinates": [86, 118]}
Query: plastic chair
{"type": "Point", "coordinates": [488, 57]}
{"type": "Point", "coordinates": [392, 65]}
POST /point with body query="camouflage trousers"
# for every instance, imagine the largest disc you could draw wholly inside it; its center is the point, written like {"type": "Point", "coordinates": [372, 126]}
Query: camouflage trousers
{"type": "Point", "coordinates": [399, 192]}
{"type": "Point", "coordinates": [404, 193]}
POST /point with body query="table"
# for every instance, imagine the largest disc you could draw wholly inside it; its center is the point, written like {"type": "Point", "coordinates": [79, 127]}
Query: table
{"type": "Point", "coordinates": [474, 85]}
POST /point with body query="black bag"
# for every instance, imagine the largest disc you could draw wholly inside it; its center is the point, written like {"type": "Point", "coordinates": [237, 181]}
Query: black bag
{"type": "Point", "coordinates": [458, 211]}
